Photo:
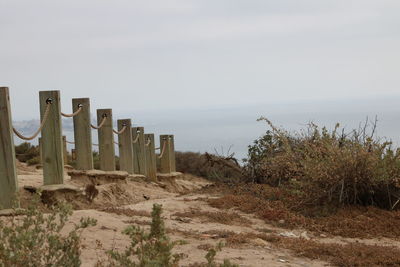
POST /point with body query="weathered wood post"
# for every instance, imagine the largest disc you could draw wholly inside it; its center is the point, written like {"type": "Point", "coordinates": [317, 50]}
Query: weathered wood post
{"type": "Point", "coordinates": [106, 140]}
{"type": "Point", "coordinates": [65, 151]}
{"type": "Point", "coordinates": [8, 173]}
{"type": "Point", "coordinates": [125, 146]}
{"type": "Point", "coordinates": [172, 153]}
{"type": "Point", "coordinates": [40, 150]}
{"type": "Point", "coordinates": [151, 162]}
{"type": "Point", "coordinates": [165, 154]}
{"type": "Point", "coordinates": [52, 147]}
{"type": "Point", "coordinates": [139, 153]}
{"type": "Point", "coordinates": [82, 134]}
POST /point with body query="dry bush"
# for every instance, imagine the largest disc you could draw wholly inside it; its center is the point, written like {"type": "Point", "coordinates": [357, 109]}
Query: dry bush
{"type": "Point", "coordinates": [221, 217]}
{"type": "Point", "coordinates": [322, 168]}
{"type": "Point", "coordinates": [199, 165]}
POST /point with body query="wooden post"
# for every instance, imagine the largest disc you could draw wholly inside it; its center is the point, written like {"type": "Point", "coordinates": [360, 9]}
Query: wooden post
{"type": "Point", "coordinates": [82, 134]}
{"type": "Point", "coordinates": [73, 154]}
{"type": "Point", "coordinates": [8, 173]}
{"type": "Point", "coordinates": [53, 159]}
{"type": "Point", "coordinates": [151, 162]}
{"type": "Point", "coordinates": [172, 153]}
{"type": "Point", "coordinates": [106, 140]}
{"type": "Point", "coordinates": [65, 151]}
{"type": "Point", "coordinates": [40, 150]}
{"type": "Point", "coordinates": [125, 146]}
{"type": "Point", "coordinates": [139, 153]}
{"type": "Point", "coordinates": [165, 162]}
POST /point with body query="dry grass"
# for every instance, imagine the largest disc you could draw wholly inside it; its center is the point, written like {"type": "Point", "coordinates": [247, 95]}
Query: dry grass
{"type": "Point", "coordinates": [127, 212]}
{"type": "Point", "coordinates": [351, 221]}
{"type": "Point", "coordinates": [228, 218]}
{"type": "Point", "coordinates": [354, 254]}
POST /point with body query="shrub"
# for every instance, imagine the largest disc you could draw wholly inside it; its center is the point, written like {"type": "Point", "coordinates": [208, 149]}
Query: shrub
{"type": "Point", "coordinates": [198, 164]}
{"type": "Point", "coordinates": [35, 239]}
{"type": "Point", "coordinates": [328, 168]}
{"type": "Point", "coordinates": [26, 151]}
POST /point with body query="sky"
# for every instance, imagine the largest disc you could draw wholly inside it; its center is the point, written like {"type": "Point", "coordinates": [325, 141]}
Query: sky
{"type": "Point", "coordinates": [160, 56]}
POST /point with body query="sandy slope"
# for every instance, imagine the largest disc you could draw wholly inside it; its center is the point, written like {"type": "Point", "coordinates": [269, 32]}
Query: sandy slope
{"type": "Point", "coordinates": [178, 198]}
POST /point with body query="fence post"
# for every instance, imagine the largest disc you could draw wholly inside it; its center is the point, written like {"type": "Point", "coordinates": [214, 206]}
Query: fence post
{"type": "Point", "coordinates": [172, 153]}
{"type": "Point", "coordinates": [125, 146]}
{"type": "Point", "coordinates": [139, 154]}
{"type": "Point", "coordinates": [40, 150]}
{"type": "Point", "coordinates": [151, 163]}
{"type": "Point", "coordinates": [165, 154]}
{"type": "Point", "coordinates": [53, 160]}
{"type": "Point", "coordinates": [64, 139]}
{"type": "Point", "coordinates": [8, 173]}
{"type": "Point", "coordinates": [106, 140]}
{"type": "Point", "coordinates": [82, 134]}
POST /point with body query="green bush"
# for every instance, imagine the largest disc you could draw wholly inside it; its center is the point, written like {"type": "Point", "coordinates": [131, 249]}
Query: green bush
{"type": "Point", "coordinates": [322, 167]}
{"type": "Point", "coordinates": [154, 248]}
{"type": "Point", "coordinates": [26, 151]}
{"type": "Point", "coordinates": [35, 239]}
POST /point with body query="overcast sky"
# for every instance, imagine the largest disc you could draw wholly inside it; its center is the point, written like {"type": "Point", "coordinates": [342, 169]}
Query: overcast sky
{"type": "Point", "coordinates": [171, 54]}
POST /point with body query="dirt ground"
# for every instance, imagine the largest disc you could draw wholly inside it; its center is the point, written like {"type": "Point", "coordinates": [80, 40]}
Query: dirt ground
{"type": "Point", "coordinates": [187, 217]}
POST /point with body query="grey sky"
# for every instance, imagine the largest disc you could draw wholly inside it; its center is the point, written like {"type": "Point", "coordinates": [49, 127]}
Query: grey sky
{"type": "Point", "coordinates": [138, 55]}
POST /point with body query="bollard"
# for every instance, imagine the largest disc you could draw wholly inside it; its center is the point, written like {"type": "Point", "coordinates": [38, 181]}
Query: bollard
{"type": "Point", "coordinates": [52, 147]}
{"type": "Point", "coordinates": [172, 153]}
{"type": "Point", "coordinates": [125, 146]}
{"type": "Point", "coordinates": [139, 156]}
{"type": "Point", "coordinates": [151, 163]}
{"type": "Point", "coordinates": [8, 173]}
{"type": "Point", "coordinates": [82, 134]}
{"type": "Point", "coordinates": [165, 154]}
{"type": "Point", "coordinates": [106, 140]}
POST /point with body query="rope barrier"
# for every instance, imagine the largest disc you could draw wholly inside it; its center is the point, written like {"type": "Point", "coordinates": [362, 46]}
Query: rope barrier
{"type": "Point", "coordinates": [116, 143]}
{"type": "Point", "coordinates": [120, 132]}
{"type": "Point", "coordinates": [69, 142]}
{"type": "Point", "coordinates": [101, 124]}
{"type": "Point", "coordinates": [95, 144]}
{"type": "Point", "coordinates": [46, 114]}
{"type": "Point", "coordinates": [136, 139]}
{"type": "Point", "coordinates": [73, 114]}
{"type": "Point", "coordinates": [163, 150]}
{"type": "Point", "coordinates": [157, 148]}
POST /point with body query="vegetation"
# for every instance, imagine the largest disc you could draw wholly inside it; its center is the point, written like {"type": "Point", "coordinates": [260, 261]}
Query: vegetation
{"type": "Point", "coordinates": [26, 152]}
{"type": "Point", "coordinates": [199, 164]}
{"type": "Point", "coordinates": [154, 248]}
{"type": "Point", "coordinates": [35, 239]}
{"type": "Point", "coordinates": [322, 168]}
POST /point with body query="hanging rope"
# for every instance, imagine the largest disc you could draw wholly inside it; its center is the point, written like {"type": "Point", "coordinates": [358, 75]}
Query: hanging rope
{"type": "Point", "coordinates": [95, 144]}
{"type": "Point", "coordinates": [69, 142]}
{"type": "Point", "coordinates": [116, 143]}
{"type": "Point", "coordinates": [80, 106]}
{"type": "Point", "coordinates": [103, 121]}
{"type": "Point", "coordinates": [136, 139]}
{"type": "Point", "coordinates": [163, 150]}
{"type": "Point", "coordinates": [122, 130]}
{"type": "Point", "coordinates": [46, 114]}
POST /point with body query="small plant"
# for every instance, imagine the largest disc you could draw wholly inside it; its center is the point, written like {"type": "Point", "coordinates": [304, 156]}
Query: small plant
{"type": "Point", "coordinates": [147, 249]}
{"type": "Point", "coordinates": [210, 257]}
{"type": "Point", "coordinates": [34, 238]}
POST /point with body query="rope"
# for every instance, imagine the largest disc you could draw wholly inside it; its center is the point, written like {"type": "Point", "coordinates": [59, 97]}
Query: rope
{"type": "Point", "coordinates": [120, 132]}
{"type": "Point", "coordinates": [157, 148]}
{"type": "Point", "coordinates": [69, 142]}
{"type": "Point", "coordinates": [116, 143]}
{"type": "Point", "coordinates": [95, 144]}
{"type": "Point", "coordinates": [136, 140]}
{"type": "Point", "coordinates": [163, 150]}
{"type": "Point", "coordinates": [148, 142]}
{"type": "Point", "coordinates": [101, 124]}
{"type": "Point", "coordinates": [46, 114]}
{"type": "Point", "coordinates": [73, 114]}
